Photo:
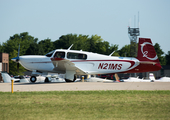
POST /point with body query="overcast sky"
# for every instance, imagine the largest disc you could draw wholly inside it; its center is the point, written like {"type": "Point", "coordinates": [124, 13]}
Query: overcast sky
{"type": "Point", "coordinates": [106, 18]}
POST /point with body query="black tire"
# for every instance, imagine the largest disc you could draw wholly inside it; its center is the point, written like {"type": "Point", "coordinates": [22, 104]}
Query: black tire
{"type": "Point", "coordinates": [46, 80]}
{"type": "Point", "coordinates": [67, 80]}
{"type": "Point", "coordinates": [33, 79]}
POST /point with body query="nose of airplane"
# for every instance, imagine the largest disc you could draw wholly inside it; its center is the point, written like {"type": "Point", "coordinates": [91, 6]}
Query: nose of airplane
{"type": "Point", "coordinates": [15, 59]}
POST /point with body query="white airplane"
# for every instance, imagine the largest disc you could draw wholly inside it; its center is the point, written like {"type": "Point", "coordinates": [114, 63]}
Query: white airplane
{"type": "Point", "coordinates": [73, 62]}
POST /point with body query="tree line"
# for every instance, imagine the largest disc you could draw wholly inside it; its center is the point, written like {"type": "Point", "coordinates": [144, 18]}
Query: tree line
{"type": "Point", "coordinates": [32, 46]}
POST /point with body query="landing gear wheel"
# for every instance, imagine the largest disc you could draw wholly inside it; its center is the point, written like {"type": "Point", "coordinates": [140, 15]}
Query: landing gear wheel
{"type": "Point", "coordinates": [67, 80]}
{"type": "Point", "coordinates": [33, 79]}
{"type": "Point", "coordinates": [46, 80]}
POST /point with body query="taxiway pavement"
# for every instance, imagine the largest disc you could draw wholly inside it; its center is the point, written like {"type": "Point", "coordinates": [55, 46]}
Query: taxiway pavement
{"type": "Point", "coordinates": [79, 86]}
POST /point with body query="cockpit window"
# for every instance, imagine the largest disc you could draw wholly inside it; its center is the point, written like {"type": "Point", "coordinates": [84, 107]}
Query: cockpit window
{"type": "Point", "coordinates": [50, 53]}
{"type": "Point", "coordinates": [71, 55]}
{"type": "Point", "coordinates": [59, 55]}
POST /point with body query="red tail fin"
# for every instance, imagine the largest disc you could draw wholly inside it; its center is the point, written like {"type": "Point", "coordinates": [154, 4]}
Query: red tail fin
{"type": "Point", "coordinates": [146, 51]}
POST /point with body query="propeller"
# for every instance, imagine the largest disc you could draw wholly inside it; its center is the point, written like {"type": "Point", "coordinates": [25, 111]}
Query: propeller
{"type": "Point", "coordinates": [18, 67]}
{"type": "Point", "coordinates": [16, 59]}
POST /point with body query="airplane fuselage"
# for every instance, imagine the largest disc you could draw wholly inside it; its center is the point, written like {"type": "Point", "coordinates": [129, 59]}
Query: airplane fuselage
{"type": "Point", "coordinates": [93, 63]}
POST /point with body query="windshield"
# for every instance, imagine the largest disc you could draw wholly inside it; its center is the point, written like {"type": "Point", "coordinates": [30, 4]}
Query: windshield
{"type": "Point", "coordinates": [50, 53]}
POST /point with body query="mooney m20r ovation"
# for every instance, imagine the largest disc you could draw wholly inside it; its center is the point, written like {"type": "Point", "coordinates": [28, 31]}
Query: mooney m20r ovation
{"type": "Point", "coordinates": [73, 63]}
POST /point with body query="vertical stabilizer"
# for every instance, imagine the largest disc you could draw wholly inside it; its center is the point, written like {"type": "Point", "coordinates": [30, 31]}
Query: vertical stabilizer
{"type": "Point", "coordinates": [146, 51]}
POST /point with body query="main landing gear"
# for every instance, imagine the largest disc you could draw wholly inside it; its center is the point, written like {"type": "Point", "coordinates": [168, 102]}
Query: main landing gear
{"type": "Point", "coordinates": [33, 79]}
{"type": "Point", "coordinates": [67, 80]}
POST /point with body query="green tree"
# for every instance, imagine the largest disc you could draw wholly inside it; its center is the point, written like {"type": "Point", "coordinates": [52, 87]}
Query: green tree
{"type": "Point", "coordinates": [1, 49]}
{"type": "Point", "coordinates": [65, 41]}
{"type": "Point", "coordinates": [35, 48]}
{"type": "Point", "coordinates": [160, 53]}
{"type": "Point", "coordinates": [125, 51]}
{"type": "Point", "coordinates": [47, 45]}
{"type": "Point", "coordinates": [91, 44]}
{"type": "Point", "coordinates": [23, 39]}
{"type": "Point", "coordinates": [133, 49]}
{"type": "Point", "coordinates": [83, 42]}
{"type": "Point", "coordinates": [13, 65]}
{"type": "Point", "coordinates": [167, 56]}
{"type": "Point", "coordinates": [80, 42]}
{"type": "Point", "coordinates": [11, 46]}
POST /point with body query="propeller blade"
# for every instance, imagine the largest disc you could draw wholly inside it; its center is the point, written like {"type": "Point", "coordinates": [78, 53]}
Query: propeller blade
{"type": "Point", "coordinates": [16, 59]}
{"type": "Point", "coordinates": [18, 67]}
{"type": "Point", "coordinates": [18, 50]}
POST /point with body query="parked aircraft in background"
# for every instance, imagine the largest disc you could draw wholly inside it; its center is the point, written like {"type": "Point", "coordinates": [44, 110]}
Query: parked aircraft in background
{"type": "Point", "coordinates": [73, 62]}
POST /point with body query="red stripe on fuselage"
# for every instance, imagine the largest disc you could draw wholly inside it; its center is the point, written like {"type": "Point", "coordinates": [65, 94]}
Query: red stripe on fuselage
{"type": "Point", "coordinates": [42, 62]}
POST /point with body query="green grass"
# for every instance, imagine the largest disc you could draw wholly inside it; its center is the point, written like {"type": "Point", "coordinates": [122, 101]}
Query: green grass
{"type": "Point", "coordinates": [85, 105]}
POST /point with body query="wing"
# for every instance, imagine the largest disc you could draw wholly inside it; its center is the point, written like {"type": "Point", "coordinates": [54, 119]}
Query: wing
{"type": "Point", "coordinates": [62, 65]}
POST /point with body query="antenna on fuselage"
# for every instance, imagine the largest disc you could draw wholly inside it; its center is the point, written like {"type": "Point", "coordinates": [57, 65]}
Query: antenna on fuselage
{"type": "Point", "coordinates": [111, 53]}
{"type": "Point", "coordinates": [70, 47]}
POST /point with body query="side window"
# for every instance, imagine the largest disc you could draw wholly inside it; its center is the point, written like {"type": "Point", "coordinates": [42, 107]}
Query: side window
{"type": "Point", "coordinates": [59, 55]}
{"type": "Point", "coordinates": [71, 55]}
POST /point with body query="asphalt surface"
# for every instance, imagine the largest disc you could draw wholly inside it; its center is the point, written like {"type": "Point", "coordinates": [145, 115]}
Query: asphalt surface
{"type": "Point", "coordinates": [78, 86]}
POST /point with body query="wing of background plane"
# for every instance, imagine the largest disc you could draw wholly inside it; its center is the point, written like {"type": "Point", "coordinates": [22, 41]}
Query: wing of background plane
{"type": "Point", "coordinates": [62, 65]}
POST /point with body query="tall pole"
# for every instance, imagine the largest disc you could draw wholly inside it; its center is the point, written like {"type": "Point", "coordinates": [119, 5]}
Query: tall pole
{"type": "Point", "coordinates": [133, 33]}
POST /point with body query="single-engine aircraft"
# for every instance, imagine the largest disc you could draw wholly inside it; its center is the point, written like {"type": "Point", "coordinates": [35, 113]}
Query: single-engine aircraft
{"type": "Point", "coordinates": [73, 62]}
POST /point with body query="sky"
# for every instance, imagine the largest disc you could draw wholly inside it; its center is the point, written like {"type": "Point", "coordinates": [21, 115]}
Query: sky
{"type": "Point", "coordinates": [109, 19]}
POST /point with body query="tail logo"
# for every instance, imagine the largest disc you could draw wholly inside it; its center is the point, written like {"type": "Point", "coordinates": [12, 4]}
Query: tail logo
{"type": "Point", "coordinates": [145, 53]}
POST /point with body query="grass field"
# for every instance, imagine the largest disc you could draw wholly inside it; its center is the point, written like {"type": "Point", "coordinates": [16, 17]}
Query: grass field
{"type": "Point", "coordinates": [85, 105]}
